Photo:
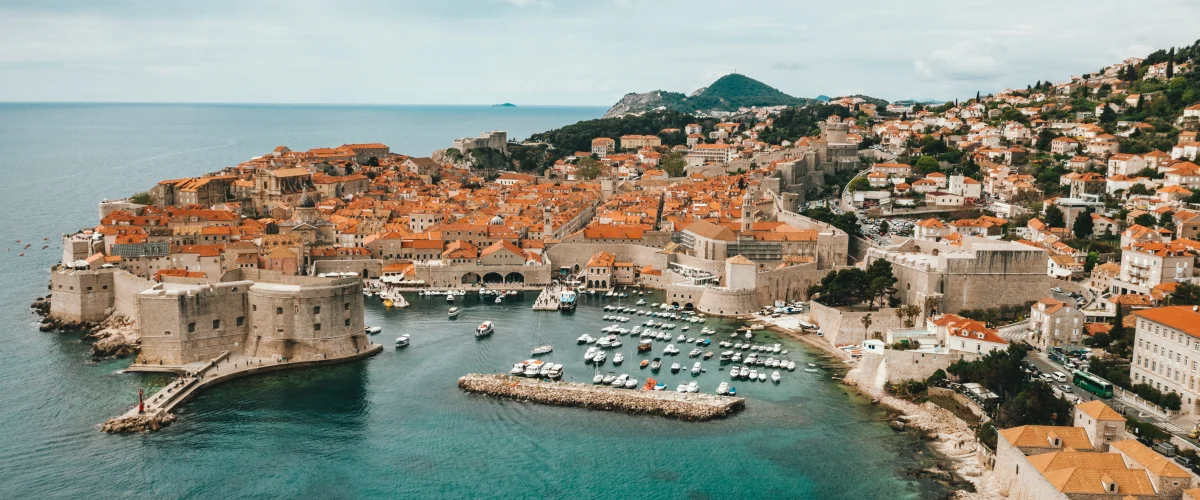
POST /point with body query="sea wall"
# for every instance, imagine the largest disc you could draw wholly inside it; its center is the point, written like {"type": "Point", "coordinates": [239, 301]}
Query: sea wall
{"type": "Point", "coordinates": [842, 327]}
{"type": "Point", "coordinates": [693, 406]}
{"type": "Point", "coordinates": [875, 370]}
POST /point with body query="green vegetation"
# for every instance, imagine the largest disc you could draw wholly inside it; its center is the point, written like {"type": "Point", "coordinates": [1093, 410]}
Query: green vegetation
{"type": "Point", "coordinates": [1025, 402]}
{"type": "Point", "coordinates": [794, 123]}
{"type": "Point", "coordinates": [674, 164]}
{"type": "Point", "coordinates": [578, 136]}
{"type": "Point", "coordinates": [1002, 314]}
{"type": "Point", "coordinates": [847, 222]}
{"type": "Point", "coordinates": [142, 198]}
{"type": "Point", "coordinates": [852, 286]}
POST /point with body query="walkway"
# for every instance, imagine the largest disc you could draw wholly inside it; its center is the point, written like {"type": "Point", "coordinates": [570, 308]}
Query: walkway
{"type": "Point", "coordinates": [197, 376]}
{"type": "Point", "coordinates": [548, 299]}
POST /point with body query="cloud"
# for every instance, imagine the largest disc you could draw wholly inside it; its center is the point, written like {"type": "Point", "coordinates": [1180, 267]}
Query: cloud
{"type": "Point", "coordinates": [789, 66]}
{"type": "Point", "coordinates": [963, 61]}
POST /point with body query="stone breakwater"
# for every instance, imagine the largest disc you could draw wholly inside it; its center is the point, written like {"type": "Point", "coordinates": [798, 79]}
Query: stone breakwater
{"type": "Point", "coordinates": [137, 423]}
{"type": "Point", "coordinates": [692, 407]}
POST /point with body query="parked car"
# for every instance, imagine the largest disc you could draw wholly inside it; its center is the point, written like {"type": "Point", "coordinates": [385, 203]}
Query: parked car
{"type": "Point", "coordinates": [1184, 461]}
{"type": "Point", "coordinates": [1065, 387]}
{"type": "Point", "coordinates": [1166, 449]}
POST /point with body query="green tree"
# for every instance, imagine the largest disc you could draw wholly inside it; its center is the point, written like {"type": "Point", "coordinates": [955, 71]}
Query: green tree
{"type": "Point", "coordinates": [1145, 220]}
{"type": "Point", "coordinates": [1083, 226]}
{"type": "Point", "coordinates": [859, 184]}
{"type": "Point", "coordinates": [588, 168]}
{"type": "Point", "coordinates": [142, 198]}
{"type": "Point", "coordinates": [1186, 294]}
{"type": "Point", "coordinates": [1166, 219]}
{"type": "Point", "coordinates": [884, 227]}
{"type": "Point", "coordinates": [674, 164]}
{"type": "Point", "coordinates": [1054, 217]}
{"type": "Point", "coordinates": [927, 165]}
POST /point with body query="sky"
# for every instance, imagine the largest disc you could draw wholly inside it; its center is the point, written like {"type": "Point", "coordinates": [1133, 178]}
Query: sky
{"type": "Point", "coordinates": [559, 52]}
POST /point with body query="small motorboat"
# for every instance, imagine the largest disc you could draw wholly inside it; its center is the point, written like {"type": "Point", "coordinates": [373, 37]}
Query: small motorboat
{"type": "Point", "coordinates": [726, 356]}
{"type": "Point", "coordinates": [600, 357]}
{"type": "Point", "coordinates": [518, 369]}
{"type": "Point", "coordinates": [696, 368]}
{"type": "Point", "coordinates": [811, 370]}
{"type": "Point", "coordinates": [542, 349]}
{"type": "Point", "coordinates": [608, 379]}
{"type": "Point", "coordinates": [618, 359]}
{"type": "Point", "coordinates": [590, 354]}
{"type": "Point", "coordinates": [620, 380]}
{"type": "Point", "coordinates": [450, 297]}
{"type": "Point", "coordinates": [641, 302]}
{"type": "Point", "coordinates": [693, 386]}
{"type": "Point", "coordinates": [556, 372]}
{"type": "Point", "coordinates": [499, 300]}
{"type": "Point", "coordinates": [644, 363]}
{"type": "Point", "coordinates": [733, 391]}
{"type": "Point", "coordinates": [486, 328]}
{"type": "Point", "coordinates": [753, 374]}
{"type": "Point", "coordinates": [585, 339]}
{"type": "Point", "coordinates": [775, 377]}
{"type": "Point", "coordinates": [388, 303]}
{"type": "Point", "coordinates": [675, 367]}
{"type": "Point", "coordinates": [372, 330]}
{"type": "Point", "coordinates": [631, 383]}
{"type": "Point", "coordinates": [681, 388]}
{"type": "Point", "coordinates": [660, 386]}
{"type": "Point", "coordinates": [735, 371]}
{"type": "Point", "coordinates": [723, 389]}
{"type": "Point", "coordinates": [656, 364]}
{"type": "Point", "coordinates": [671, 349]}
{"type": "Point", "coordinates": [791, 366]}
{"type": "Point", "coordinates": [533, 367]}
{"type": "Point", "coordinates": [707, 355]}
{"type": "Point", "coordinates": [452, 313]}
{"type": "Point", "coordinates": [598, 379]}
{"type": "Point", "coordinates": [402, 341]}
{"type": "Point", "coordinates": [693, 353]}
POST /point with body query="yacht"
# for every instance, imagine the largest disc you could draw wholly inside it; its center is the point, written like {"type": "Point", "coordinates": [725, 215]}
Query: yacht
{"type": "Point", "coordinates": [598, 379]}
{"type": "Point", "coordinates": [618, 359]}
{"type": "Point", "coordinates": [775, 377]}
{"type": "Point", "coordinates": [726, 356]}
{"type": "Point", "coordinates": [608, 379]}
{"type": "Point", "coordinates": [485, 329]}
{"type": "Point", "coordinates": [723, 389]}
{"type": "Point", "coordinates": [671, 349]}
{"type": "Point", "coordinates": [452, 313]}
{"type": "Point", "coordinates": [675, 367]}
{"type": "Point", "coordinates": [402, 341]}
{"type": "Point", "coordinates": [735, 371]}
{"type": "Point", "coordinates": [533, 367]}
{"type": "Point", "coordinates": [585, 339]}
{"type": "Point", "coordinates": [590, 354]}
{"type": "Point", "coordinates": [372, 330]}
{"type": "Point", "coordinates": [600, 357]}
{"type": "Point", "coordinates": [696, 368]}
{"type": "Point", "coordinates": [542, 349]}
{"type": "Point", "coordinates": [693, 386]}
{"type": "Point", "coordinates": [556, 372]}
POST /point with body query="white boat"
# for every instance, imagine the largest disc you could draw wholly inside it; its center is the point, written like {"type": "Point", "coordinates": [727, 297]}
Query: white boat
{"type": "Point", "coordinates": [735, 371]}
{"type": "Point", "coordinates": [757, 326]}
{"type": "Point", "coordinates": [585, 339]}
{"type": "Point", "coordinates": [753, 374]}
{"type": "Point", "coordinates": [484, 329]}
{"type": "Point", "coordinates": [545, 371]}
{"type": "Point", "coordinates": [556, 371]}
{"type": "Point", "coordinates": [696, 368]}
{"type": "Point", "coordinates": [533, 367]}
{"type": "Point", "coordinates": [791, 366]}
{"type": "Point", "coordinates": [615, 344]}
{"type": "Point", "coordinates": [542, 349]}
{"type": "Point", "coordinates": [736, 357]}
{"type": "Point", "coordinates": [693, 353]}
{"type": "Point", "coordinates": [685, 328]}
{"type": "Point", "coordinates": [693, 386]}
{"type": "Point", "coordinates": [762, 376]}
{"type": "Point", "coordinates": [598, 379]}
{"type": "Point", "coordinates": [402, 341]}
{"type": "Point", "coordinates": [499, 300]}
{"type": "Point", "coordinates": [372, 330]}
{"type": "Point", "coordinates": [671, 349]}
{"type": "Point", "coordinates": [726, 356]}
{"type": "Point", "coordinates": [775, 377]}
{"type": "Point", "coordinates": [723, 389]}
{"type": "Point", "coordinates": [744, 372]}
{"type": "Point", "coordinates": [675, 367]}
{"type": "Point", "coordinates": [590, 354]}
{"type": "Point", "coordinates": [811, 370]}
{"type": "Point", "coordinates": [449, 297]}
{"type": "Point", "coordinates": [631, 383]}
{"type": "Point", "coordinates": [618, 359]}
{"type": "Point", "coordinates": [641, 302]}
{"type": "Point", "coordinates": [609, 378]}
{"type": "Point", "coordinates": [600, 357]}
{"type": "Point", "coordinates": [518, 369]}
{"type": "Point", "coordinates": [681, 388]}
{"type": "Point", "coordinates": [620, 380]}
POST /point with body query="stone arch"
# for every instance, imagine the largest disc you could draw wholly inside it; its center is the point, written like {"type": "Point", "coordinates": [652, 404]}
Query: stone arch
{"type": "Point", "coordinates": [675, 304]}
{"type": "Point", "coordinates": [935, 252]}
{"type": "Point", "coordinates": [493, 278]}
{"type": "Point", "coordinates": [471, 278]}
{"type": "Point", "coordinates": [576, 268]}
{"type": "Point", "coordinates": [603, 283]}
{"type": "Point", "coordinates": [591, 284]}
{"type": "Point", "coordinates": [689, 307]}
{"type": "Point", "coordinates": [365, 274]}
{"type": "Point", "coordinates": [514, 277]}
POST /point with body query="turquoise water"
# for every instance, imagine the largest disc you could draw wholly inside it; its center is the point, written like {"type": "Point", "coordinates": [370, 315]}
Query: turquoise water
{"type": "Point", "coordinates": [395, 425]}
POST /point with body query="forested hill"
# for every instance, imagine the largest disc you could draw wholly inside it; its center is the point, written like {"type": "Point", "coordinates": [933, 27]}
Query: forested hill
{"type": "Point", "coordinates": [728, 93]}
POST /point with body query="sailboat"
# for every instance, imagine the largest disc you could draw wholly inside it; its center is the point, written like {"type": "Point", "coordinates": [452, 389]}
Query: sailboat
{"type": "Point", "coordinates": [543, 348]}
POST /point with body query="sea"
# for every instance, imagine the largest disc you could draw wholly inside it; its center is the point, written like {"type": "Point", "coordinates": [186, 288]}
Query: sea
{"type": "Point", "coordinates": [395, 425]}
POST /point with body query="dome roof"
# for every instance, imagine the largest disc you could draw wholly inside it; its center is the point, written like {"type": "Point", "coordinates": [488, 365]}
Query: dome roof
{"type": "Point", "coordinates": [497, 221]}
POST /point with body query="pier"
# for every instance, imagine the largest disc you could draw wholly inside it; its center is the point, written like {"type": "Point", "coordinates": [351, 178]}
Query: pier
{"type": "Point", "coordinates": [683, 406]}
{"type": "Point", "coordinates": [548, 299]}
{"type": "Point", "coordinates": [156, 411]}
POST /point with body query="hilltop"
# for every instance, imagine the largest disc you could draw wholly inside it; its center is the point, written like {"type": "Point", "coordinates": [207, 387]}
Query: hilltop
{"type": "Point", "coordinates": [728, 93]}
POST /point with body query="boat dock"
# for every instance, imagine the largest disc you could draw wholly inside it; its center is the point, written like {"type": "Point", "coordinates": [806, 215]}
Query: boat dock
{"type": "Point", "coordinates": [683, 406]}
{"type": "Point", "coordinates": [548, 299]}
{"type": "Point", "coordinates": [158, 408]}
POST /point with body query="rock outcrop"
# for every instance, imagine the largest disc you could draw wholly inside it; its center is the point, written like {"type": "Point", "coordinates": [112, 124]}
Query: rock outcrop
{"type": "Point", "coordinates": [137, 423]}
{"type": "Point", "coordinates": [114, 337]}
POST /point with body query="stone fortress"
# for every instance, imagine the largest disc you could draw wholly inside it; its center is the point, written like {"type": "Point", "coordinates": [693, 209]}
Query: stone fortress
{"type": "Point", "coordinates": [250, 312]}
{"type": "Point", "coordinates": [496, 139]}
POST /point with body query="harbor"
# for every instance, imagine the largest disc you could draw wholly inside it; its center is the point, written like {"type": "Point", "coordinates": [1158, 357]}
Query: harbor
{"type": "Point", "coordinates": [683, 406]}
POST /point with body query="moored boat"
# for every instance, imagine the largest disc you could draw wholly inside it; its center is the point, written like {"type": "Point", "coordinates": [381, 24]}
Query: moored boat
{"type": "Point", "coordinates": [723, 389]}
{"type": "Point", "coordinates": [542, 349]}
{"type": "Point", "coordinates": [618, 359]}
{"type": "Point", "coordinates": [372, 330]}
{"type": "Point", "coordinates": [775, 377]}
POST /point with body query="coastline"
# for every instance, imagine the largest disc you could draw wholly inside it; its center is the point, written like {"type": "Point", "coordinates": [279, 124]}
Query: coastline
{"type": "Point", "coordinates": [951, 439]}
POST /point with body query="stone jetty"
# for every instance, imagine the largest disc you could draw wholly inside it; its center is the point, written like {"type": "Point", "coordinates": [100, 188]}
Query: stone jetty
{"type": "Point", "coordinates": [693, 407]}
{"type": "Point", "coordinates": [548, 299]}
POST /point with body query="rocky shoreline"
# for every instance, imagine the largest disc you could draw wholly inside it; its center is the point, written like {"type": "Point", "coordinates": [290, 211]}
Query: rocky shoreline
{"type": "Point", "coordinates": [948, 436]}
{"type": "Point", "coordinates": [137, 423]}
{"type": "Point", "coordinates": [690, 407]}
{"type": "Point", "coordinates": [115, 337]}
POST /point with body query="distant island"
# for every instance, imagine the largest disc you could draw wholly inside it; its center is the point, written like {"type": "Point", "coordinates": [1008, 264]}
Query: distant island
{"type": "Point", "coordinates": [505, 105]}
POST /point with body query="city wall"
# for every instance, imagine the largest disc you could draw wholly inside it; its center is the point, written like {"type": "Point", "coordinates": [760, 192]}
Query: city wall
{"type": "Point", "coordinates": [845, 327]}
{"type": "Point", "coordinates": [78, 295]}
{"type": "Point", "coordinates": [875, 370]}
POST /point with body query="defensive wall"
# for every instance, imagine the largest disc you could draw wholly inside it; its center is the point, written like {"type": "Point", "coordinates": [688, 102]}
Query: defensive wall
{"type": "Point", "coordinates": [841, 327]}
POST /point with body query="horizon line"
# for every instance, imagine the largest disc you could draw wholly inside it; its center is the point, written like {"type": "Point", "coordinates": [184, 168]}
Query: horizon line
{"type": "Point", "coordinates": [235, 103]}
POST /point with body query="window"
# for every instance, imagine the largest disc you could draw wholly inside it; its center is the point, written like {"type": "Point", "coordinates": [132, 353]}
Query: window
{"type": "Point", "coordinates": [316, 309]}
{"type": "Point", "coordinates": [346, 306]}
{"type": "Point", "coordinates": [192, 327]}
{"type": "Point", "coordinates": [278, 310]}
{"type": "Point", "coordinates": [216, 324]}
{"type": "Point", "coordinates": [254, 307]}
{"type": "Point", "coordinates": [241, 321]}
{"type": "Point", "coordinates": [316, 327]}
{"type": "Point", "coordinates": [347, 321]}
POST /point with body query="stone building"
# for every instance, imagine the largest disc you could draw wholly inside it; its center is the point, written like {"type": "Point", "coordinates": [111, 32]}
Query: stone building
{"type": "Point", "coordinates": [1055, 323]}
{"type": "Point", "coordinates": [496, 139]}
{"type": "Point", "coordinates": [971, 274]}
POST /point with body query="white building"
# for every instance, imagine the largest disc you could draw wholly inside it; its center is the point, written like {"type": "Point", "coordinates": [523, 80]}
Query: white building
{"type": "Point", "coordinates": [1166, 352]}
